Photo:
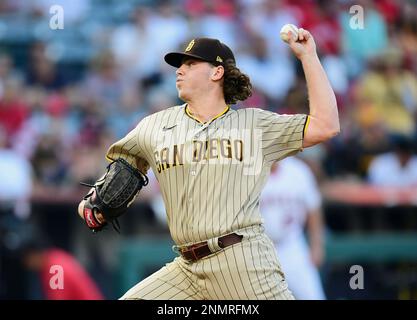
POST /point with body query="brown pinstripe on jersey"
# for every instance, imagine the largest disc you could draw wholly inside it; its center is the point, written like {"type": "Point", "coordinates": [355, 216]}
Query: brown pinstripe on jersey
{"type": "Point", "coordinates": [211, 174]}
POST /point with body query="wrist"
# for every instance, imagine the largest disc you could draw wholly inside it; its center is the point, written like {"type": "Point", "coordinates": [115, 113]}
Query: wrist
{"type": "Point", "coordinates": [309, 57]}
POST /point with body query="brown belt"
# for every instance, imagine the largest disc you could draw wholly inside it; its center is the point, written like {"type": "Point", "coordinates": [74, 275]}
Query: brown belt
{"type": "Point", "coordinates": [201, 249]}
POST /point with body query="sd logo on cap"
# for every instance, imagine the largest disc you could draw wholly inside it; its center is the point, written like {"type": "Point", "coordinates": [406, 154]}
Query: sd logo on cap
{"type": "Point", "coordinates": [205, 49]}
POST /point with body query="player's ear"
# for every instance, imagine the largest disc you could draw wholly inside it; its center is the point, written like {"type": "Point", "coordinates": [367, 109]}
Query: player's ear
{"type": "Point", "coordinates": [217, 73]}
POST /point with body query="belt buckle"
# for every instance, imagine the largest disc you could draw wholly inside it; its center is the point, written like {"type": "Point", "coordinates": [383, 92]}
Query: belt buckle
{"type": "Point", "coordinates": [194, 254]}
{"type": "Point", "coordinates": [192, 249]}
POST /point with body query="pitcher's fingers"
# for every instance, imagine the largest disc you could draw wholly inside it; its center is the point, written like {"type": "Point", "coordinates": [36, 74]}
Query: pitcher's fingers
{"type": "Point", "coordinates": [303, 34]}
{"type": "Point", "coordinates": [81, 209]}
{"type": "Point", "coordinates": [290, 37]}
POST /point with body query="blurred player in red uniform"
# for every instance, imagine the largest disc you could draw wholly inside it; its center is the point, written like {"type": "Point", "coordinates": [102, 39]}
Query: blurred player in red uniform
{"type": "Point", "coordinates": [62, 276]}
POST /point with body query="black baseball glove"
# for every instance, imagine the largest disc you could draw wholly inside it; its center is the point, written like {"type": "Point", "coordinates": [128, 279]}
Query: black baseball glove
{"type": "Point", "coordinates": [112, 194]}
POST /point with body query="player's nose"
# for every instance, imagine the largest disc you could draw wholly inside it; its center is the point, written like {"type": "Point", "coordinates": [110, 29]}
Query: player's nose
{"type": "Point", "coordinates": [180, 70]}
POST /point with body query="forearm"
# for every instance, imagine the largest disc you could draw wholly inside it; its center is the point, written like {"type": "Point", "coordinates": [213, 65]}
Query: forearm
{"type": "Point", "coordinates": [322, 100]}
{"type": "Point", "coordinates": [315, 229]}
{"type": "Point", "coordinates": [315, 235]}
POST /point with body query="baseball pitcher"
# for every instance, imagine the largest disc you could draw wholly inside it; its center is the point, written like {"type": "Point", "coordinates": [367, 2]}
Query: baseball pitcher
{"type": "Point", "coordinates": [212, 162]}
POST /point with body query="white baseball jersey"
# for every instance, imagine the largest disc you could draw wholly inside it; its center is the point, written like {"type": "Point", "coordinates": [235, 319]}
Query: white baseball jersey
{"type": "Point", "coordinates": [211, 174]}
{"type": "Point", "coordinates": [289, 194]}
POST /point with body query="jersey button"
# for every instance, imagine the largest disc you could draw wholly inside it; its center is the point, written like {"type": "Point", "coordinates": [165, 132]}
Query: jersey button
{"type": "Point", "coordinates": [193, 172]}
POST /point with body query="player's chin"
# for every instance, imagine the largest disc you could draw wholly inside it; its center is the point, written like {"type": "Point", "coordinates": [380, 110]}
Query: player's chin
{"type": "Point", "coordinates": [182, 95]}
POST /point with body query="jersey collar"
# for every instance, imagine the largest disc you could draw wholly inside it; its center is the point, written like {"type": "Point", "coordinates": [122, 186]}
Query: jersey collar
{"type": "Point", "coordinates": [188, 113]}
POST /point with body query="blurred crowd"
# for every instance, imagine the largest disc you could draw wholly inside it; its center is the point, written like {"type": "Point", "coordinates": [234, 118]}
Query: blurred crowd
{"type": "Point", "coordinates": [61, 124]}
{"type": "Point", "coordinates": [66, 95]}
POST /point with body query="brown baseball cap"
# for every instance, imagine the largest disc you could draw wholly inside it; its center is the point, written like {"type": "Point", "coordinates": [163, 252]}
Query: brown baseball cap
{"type": "Point", "coordinates": [206, 49]}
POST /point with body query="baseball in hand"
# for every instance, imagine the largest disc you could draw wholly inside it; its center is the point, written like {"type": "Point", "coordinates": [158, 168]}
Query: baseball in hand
{"type": "Point", "coordinates": [284, 32]}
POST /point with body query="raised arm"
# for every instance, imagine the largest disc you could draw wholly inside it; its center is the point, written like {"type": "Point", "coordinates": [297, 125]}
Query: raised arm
{"type": "Point", "coordinates": [323, 122]}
